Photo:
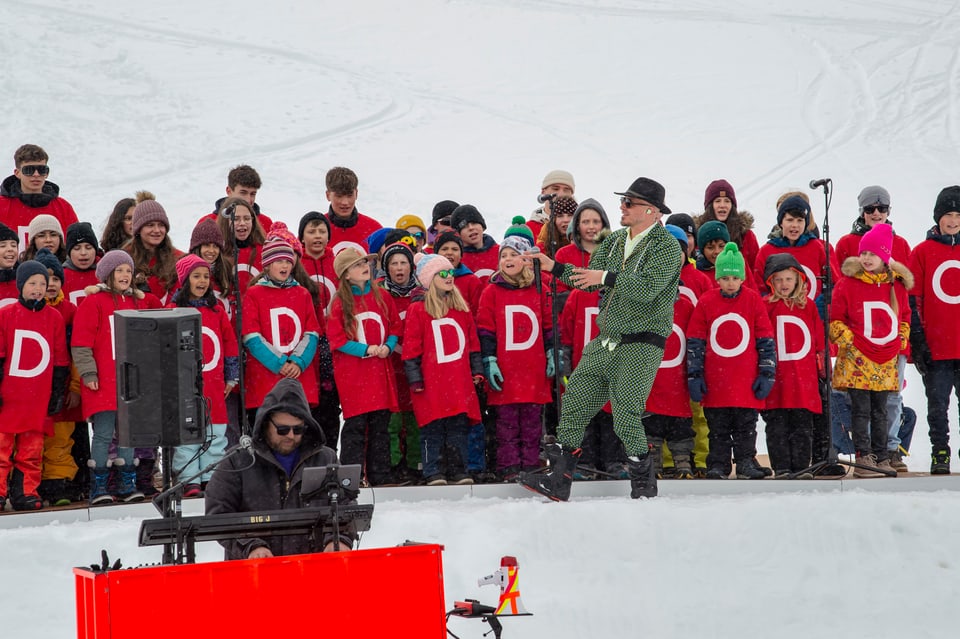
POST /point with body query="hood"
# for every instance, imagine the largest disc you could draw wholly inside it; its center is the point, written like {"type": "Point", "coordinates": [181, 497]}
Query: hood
{"type": "Point", "coordinates": [935, 235]}
{"type": "Point", "coordinates": [852, 268]}
{"type": "Point", "coordinates": [573, 229]}
{"type": "Point", "coordinates": [11, 188]}
{"type": "Point", "coordinates": [288, 396]}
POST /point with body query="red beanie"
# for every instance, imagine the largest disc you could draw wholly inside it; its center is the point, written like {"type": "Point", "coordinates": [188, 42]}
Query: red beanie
{"type": "Point", "coordinates": [719, 188]}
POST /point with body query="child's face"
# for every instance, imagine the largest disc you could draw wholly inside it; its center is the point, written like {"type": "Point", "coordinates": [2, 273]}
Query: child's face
{"type": "Point", "coordinates": [122, 277]}
{"type": "Point", "coordinates": [562, 221]}
{"type": "Point", "coordinates": [729, 284]}
{"type": "Point", "coordinates": [242, 223]}
{"type": "Point", "coordinates": [83, 255]}
{"type": "Point", "coordinates": [34, 288]}
{"type": "Point", "coordinates": [398, 269]}
{"type": "Point", "coordinates": [419, 235]}
{"type": "Point", "coordinates": [589, 225]}
{"type": "Point", "coordinates": [870, 262]}
{"type": "Point", "coordinates": [153, 233]}
{"type": "Point", "coordinates": [53, 285]}
{"type": "Point", "coordinates": [793, 227]}
{"type": "Point", "coordinates": [444, 283]}
{"type": "Point", "coordinates": [713, 249]}
{"type": "Point", "coordinates": [510, 262]}
{"type": "Point", "coordinates": [359, 273]}
{"type": "Point", "coordinates": [199, 282]}
{"type": "Point", "coordinates": [873, 215]}
{"type": "Point", "coordinates": [47, 240]}
{"type": "Point", "coordinates": [472, 234]}
{"type": "Point", "coordinates": [315, 238]}
{"type": "Point", "coordinates": [279, 271]}
{"type": "Point", "coordinates": [8, 253]}
{"type": "Point", "coordinates": [785, 282]}
{"type": "Point", "coordinates": [950, 223]}
{"type": "Point", "coordinates": [209, 252]}
{"type": "Point", "coordinates": [722, 207]}
{"type": "Point", "coordinates": [128, 222]}
{"type": "Point", "coordinates": [451, 251]}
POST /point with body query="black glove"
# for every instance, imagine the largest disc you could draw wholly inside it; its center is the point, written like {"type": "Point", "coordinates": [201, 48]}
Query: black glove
{"type": "Point", "coordinates": [58, 391]}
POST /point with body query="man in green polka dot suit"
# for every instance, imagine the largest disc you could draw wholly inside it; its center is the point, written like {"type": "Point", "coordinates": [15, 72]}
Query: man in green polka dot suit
{"type": "Point", "coordinates": [637, 269]}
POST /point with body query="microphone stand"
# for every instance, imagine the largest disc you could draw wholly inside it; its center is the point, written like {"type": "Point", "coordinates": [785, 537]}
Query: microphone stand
{"type": "Point", "coordinates": [831, 458]}
{"type": "Point", "coordinates": [238, 324]}
{"type": "Point", "coordinates": [169, 503]}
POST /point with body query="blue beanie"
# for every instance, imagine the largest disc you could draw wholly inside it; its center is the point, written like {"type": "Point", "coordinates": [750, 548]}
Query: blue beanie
{"type": "Point", "coordinates": [50, 261]}
{"type": "Point", "coordinates": [376, 239]}
{"type": "Point", "coordinates": [678, 233]}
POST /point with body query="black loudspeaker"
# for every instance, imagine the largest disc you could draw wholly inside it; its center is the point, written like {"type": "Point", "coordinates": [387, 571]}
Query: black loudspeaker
{"type": "Point", "coordinates": [159, 377]}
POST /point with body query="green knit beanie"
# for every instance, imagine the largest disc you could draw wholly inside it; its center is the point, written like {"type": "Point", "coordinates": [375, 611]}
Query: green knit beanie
{"type": "Point", "coordinates": [730, 262]}
{"type": "Point", "coordinates": [518, 226]}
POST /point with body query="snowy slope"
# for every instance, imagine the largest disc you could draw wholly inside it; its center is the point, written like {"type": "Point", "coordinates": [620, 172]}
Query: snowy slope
{"type": "Point", "coordinates": [476, 101]}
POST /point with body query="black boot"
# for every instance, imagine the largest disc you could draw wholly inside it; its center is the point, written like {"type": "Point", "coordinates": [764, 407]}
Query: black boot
{"type": "Point", "coordinates": [145, 477]}
{"type": "Point", "coordinates": [553, 483]}
{"type": "Point", "coordinates": [643, 476]}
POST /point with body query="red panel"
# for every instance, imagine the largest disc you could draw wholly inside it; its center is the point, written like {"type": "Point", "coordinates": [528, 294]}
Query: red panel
{"type": "Point", "coordinates": [390, 592]}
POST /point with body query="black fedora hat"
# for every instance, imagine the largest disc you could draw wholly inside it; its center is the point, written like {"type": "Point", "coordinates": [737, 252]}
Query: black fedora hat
{"type": "Point", "coordinates": [649, 190]}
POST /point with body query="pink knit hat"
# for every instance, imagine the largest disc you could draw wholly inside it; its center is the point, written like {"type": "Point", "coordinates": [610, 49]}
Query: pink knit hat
{"type": "Point", "coordinates": [428, 265]}
{"type": "Point", "coordinates": [879, 241]}
{"type": "Point", "coordinates": [187, 264]}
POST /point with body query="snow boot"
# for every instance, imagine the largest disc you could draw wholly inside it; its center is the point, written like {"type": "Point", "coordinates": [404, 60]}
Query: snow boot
{"type": "Point", "coordinates": [749, 469]}
{"type": "Point", "coordinates": [940, 462]}
{"type": "Point", "coordinates": [553, 483]}
{"type": "Point", "coordinates": [99, 477]}
{"type": "Point", "coordinates": [145, 477]}
{"type": "Point", "coordinates": [54, 491]}
{"type": "Point", "coordinates": [870, 468]}
{"type": "Point", "coordinates": [682, 458]}
{"type": "Point", "coordinates": [27, 502]}
{"type": "Point", "coordinates": [127, 490]}
{"type": "Point", "coordinates": [643, 476]}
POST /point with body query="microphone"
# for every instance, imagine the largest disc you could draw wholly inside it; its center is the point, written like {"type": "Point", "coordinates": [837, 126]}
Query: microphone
{"type": "Point", "coordinates": [815, 184]}
{"type": "Point", "coordinates": [229, 211]}
{"type": "Point", "coordinates": [537, 277]}
{"type": "Point", "coordinates": [546, 197]}
{"type": "Point", "coordinates": [245, 442]}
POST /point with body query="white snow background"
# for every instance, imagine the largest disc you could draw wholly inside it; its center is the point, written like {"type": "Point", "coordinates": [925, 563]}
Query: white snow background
{"type": "Point", "coordinates": [475, 101]}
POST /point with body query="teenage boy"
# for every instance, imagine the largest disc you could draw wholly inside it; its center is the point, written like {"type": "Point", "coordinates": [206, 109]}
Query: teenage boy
{"type": "Point", "coordinates": [348, 227]}
{"type": "Point", "coordinates": [481, 253]}
{"type": "Point", "coordinates": [556, 183]}
{"type": "Point", "coordinates": [244, 182]}
{"type": "Point", "coordinates": [933, 335]}
{"type": "Point", "coordinates": [440, 221]}
{"type": "Point", "coordinates": [27, 193]}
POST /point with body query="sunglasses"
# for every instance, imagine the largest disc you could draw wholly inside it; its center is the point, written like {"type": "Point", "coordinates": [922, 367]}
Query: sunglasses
{"type": "Point", "coordinates": [445, 273]}
{"type": "Point", "coordinates": [283, 430]}
{"type": "Point", "coordinates": [444, 220]}
{"type": "Point", "coordinates": [418, 235]}
{"type": "Point", "coordinates": [30, 169]}
{"type": "Point", "coordinates": [628, 203]}
{"type": "Point", "coordinates": [880, 208]}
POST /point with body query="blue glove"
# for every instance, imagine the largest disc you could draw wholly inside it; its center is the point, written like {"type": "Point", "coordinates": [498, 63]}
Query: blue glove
{"type": "Point", "coordinates": [554, 362]}
{"type": "Point", "coordinates": [762, 385]}
{"type": "Point", "coordinates": [697, 387]}
{"type": "Point", "coordinates": [494, 376]}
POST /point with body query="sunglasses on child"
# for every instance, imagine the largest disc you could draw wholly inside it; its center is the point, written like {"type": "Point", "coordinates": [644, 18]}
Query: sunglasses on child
{"type": "Point", "coordinates": [418, 235]}
{"type": "Point", "coordinates": [445, 273]}
{"type": "Point", "coordinates": [880, 208]}
{"type": "Point", "coordinates": [30, 169]}
{"type": "Point", "coordinates": [283, 430]}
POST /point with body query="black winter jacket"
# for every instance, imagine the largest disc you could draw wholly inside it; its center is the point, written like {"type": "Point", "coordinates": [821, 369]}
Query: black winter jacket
{"type": "Point", "coordinates": [239, 486]}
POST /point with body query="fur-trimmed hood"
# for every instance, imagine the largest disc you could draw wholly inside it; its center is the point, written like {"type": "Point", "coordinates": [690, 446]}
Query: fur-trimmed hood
{"type": "Point", "coordinates": [852, 268]}
{"type": "Point", "coordinates": [737, 223]}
